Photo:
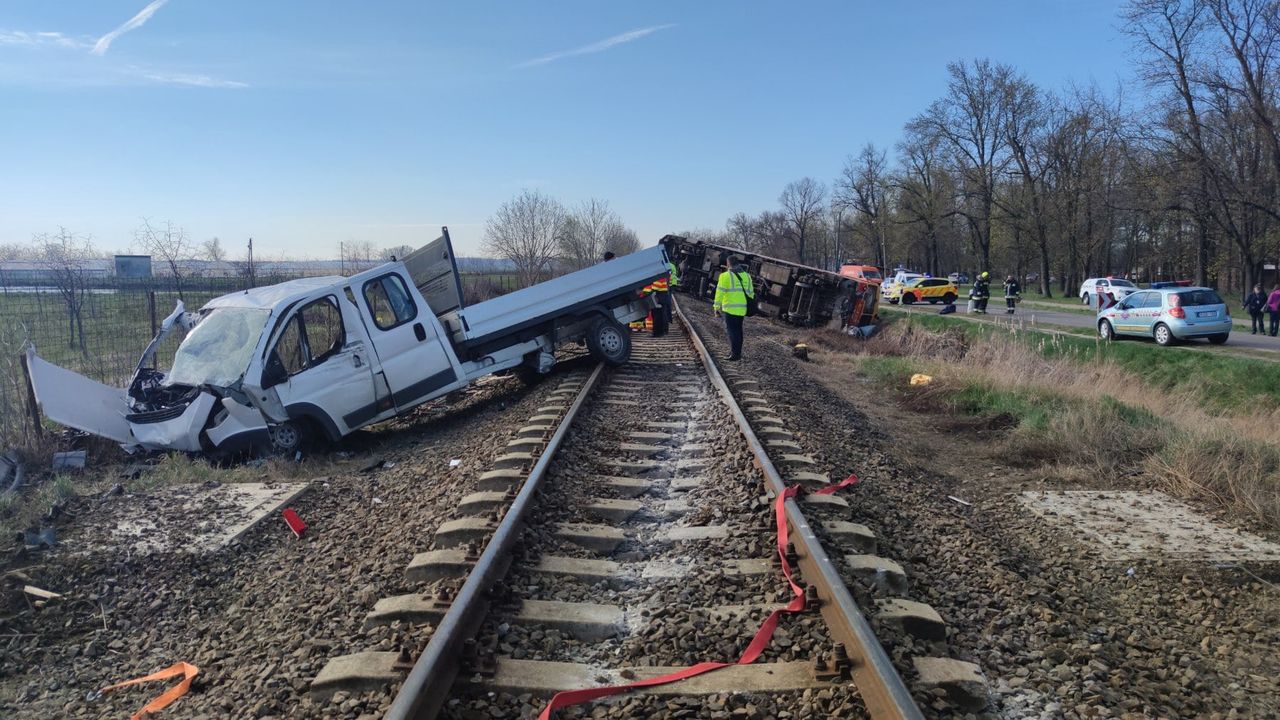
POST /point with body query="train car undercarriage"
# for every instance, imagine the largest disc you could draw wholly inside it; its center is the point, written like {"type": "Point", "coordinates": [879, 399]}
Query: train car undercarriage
{"type": "Point", "coordinates": [794, 293]}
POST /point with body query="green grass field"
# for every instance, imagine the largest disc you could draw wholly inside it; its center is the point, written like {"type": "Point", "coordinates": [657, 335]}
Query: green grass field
{"type": "Point", "coordinates": [1219, 381]}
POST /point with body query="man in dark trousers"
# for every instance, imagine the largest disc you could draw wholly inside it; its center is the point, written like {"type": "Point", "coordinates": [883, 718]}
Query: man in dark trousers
{"type": "Point", "coordinates": [733, 288]}
{"type": "Point", "coordinates": [981, 292]}
{"type": "Point", "coordinates": [1254, 304]}
{"type": "Point", "coordinates": [1012, 290]}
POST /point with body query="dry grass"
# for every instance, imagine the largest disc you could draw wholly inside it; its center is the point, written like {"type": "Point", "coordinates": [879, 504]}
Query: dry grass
{"type": "Point", "coordinates": [1085, 418]}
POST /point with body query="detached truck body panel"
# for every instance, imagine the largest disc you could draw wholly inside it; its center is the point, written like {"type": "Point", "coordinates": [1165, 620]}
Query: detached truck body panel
{"type": "Point", "coordinates": [325, 356]}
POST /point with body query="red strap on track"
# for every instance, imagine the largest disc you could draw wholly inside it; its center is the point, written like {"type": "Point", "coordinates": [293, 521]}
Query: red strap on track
{"type": "Point", "coordinates": [758, 643]}
{"type": "Point", "coordinates": [165, 699]}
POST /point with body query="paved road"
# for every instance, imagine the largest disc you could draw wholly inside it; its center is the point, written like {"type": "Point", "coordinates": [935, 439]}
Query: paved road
{"type": "Point", "coordinates": [1042, 316]}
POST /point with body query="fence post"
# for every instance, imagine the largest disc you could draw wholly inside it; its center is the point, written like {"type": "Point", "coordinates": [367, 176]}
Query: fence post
{"type": "Point", "coordinates": [31, 397]}
{"type": "Point", "coordinates": [151, 310]}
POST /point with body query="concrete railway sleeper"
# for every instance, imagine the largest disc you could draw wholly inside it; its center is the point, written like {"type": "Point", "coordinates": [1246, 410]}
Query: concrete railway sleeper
{"type": "Point", "coordinates": [634, 544]}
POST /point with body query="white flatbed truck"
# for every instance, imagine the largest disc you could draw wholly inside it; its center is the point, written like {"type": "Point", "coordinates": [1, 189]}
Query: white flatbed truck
{"type": "Point", "coordinates": [318, 358]}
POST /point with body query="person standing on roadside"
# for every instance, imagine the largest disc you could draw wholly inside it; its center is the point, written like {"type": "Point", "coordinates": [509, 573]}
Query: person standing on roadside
{"type": "Point", "coordinates": [1273, 307]}
{"type": "Point", "coordinates": [733, 289]}
{"type": "Point", "coordinates": [1012, 291]}
{"type": "Point", "coordinates": [1254, 304]}
{"type": "Point", "coordinates": [981, 292]}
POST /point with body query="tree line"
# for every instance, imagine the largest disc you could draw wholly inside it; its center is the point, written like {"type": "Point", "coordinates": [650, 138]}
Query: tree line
{"type": "Point", "coordinates": [1000, 174]}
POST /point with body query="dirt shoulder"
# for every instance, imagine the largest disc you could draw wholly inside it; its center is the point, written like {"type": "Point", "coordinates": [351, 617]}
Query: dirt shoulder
{"type": "Point", "coordinates": [1059, 630]}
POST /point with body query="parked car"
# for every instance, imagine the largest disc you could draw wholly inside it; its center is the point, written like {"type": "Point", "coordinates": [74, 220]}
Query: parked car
{"type": "Point", "coordinates": [958, 278]}
{"type": "Point", "coordinates": [933, 290]}
{"type": "Point", "coordinates": [1168, 315]}
{"type": "Point", "coordinates": [1114, 287]}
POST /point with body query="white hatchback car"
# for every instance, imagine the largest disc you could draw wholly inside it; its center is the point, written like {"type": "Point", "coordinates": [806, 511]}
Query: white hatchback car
{"type": "Point", "coordinates": [1116, 288]}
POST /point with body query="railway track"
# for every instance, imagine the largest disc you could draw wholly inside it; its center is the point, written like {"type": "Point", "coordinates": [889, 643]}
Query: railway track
{"type": "Point", "coordinates": [631, 531]}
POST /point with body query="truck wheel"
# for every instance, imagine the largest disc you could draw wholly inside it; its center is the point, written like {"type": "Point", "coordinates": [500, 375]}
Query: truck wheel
{"type": "Point", "coordinates": [609, 342]}
{"type": "Point", "coordinates": [288, 437]}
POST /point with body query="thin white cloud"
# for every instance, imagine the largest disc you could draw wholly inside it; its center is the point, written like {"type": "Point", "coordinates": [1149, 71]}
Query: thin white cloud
{"type": "Point", "coordinates": [595, 47]}
{"type": "Point", "coordinates": [137, 21]}
{"type": "Point", "coordinates": [34, 39]}
{"type": "Point", "coordinates": [193, 80]}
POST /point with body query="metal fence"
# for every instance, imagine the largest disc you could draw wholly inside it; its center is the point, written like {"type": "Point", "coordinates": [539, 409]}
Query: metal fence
{"type": "Point", "coordinates": [117, 319]}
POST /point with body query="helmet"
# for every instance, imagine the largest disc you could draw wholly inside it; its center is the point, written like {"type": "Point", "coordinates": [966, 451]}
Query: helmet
{"type": "Point", "coordinates": [985, 275]}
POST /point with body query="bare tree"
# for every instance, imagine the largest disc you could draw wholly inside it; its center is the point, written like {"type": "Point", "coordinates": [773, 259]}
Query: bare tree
{"type": "Point", "coordinates": [1170, 33]}
{"type": "Point", "coordinates": [924, 193]}
{"type": "Point", "coordinates": [395, 253]}
{"type": "Point", "coordinates": [589, 231]}
{"type": "Point", "coordinates": [169, 244]}
{"type": "Point", "coordinates": [623, 242]}
{"type": "Point", "coordinates": [527, 230]}
{"type": "Point", "coordinates": [862, 188]}
{"type": "Point", "coordinates": [67, 257]}
{"type": "Point", "coordinates": [357, 255]}
{"type": "Point", "coordinates": [213, 250]}
{"type": "Point", "coordinates": [968, 121]}
{"type": "Point", "coordinates": [803, 205]}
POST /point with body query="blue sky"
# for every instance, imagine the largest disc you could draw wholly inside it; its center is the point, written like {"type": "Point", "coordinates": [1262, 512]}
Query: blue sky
{"type": "Point", "coordinates": [303, 124]}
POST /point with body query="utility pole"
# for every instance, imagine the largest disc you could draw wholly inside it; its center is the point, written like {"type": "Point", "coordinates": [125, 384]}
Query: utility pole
{"type": "Point", "coordinates": [252, 282]}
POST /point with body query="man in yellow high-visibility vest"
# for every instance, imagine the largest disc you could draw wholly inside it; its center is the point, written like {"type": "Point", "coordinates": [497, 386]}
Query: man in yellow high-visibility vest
{"type": "Point", "coordinates": [732, 291]}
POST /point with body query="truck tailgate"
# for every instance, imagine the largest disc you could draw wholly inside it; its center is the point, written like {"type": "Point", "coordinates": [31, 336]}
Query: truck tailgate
{"type": "Point", "coordinates": [558, 296]}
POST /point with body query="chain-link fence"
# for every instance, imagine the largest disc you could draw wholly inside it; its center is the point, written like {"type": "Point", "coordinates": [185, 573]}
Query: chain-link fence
{"type": "Point", "coordinates": [116, 319]}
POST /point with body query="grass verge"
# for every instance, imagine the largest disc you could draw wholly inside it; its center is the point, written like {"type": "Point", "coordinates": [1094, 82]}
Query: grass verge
{"type": "Point", "coordinates": [1196, 427]}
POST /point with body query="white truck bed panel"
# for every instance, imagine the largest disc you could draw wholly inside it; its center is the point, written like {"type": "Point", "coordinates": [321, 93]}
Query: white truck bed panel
{"type": "Point", "coordinates": [513, 310]}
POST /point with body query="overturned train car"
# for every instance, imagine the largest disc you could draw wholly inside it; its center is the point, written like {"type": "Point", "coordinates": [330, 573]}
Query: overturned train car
{"type": "Point", "coordinates": [795, 293]}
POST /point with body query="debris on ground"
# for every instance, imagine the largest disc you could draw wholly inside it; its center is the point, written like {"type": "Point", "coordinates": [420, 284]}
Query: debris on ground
{"type": "Point", "coordinates": [44, 537]}
{"type": "Point", "coordinates": [801, 351]}
{"type": "Point", "coordinates": [294, 521]}
{"type": "Point", "coordinates": [921, 379]}
{"type": "Point", "coordinates": [41, 593]}
{"type": "Point", "coordinates": [11, 466]}
{"type": "Point", "coordinates": [70, 460]}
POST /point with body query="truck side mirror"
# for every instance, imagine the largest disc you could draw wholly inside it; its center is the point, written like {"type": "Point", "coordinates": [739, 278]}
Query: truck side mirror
{"type": "Point", "coordinates": [274, 373]}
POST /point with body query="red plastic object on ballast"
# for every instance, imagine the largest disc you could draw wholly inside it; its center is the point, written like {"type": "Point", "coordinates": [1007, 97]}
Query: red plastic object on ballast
{"type": "Point", "coordinates": [294, 522]}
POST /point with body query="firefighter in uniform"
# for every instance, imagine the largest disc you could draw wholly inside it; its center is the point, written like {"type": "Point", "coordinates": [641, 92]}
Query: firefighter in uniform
{"type": "Point", "coordinates": [981, 292]}
{"type": "Point", "coordinates": [732, 290]}
{"type": "Point", "coordinates": [1012, 293]}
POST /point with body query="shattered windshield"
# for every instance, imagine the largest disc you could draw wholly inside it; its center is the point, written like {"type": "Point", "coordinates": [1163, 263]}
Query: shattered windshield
{"type": "Point", "coordinates": [217, 351]}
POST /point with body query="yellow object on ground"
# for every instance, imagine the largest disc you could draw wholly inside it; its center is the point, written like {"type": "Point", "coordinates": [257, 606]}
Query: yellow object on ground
{"type": "Point", "coordinates": [921, 379]}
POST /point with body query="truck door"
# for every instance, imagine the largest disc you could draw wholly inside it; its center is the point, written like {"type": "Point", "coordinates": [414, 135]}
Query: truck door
{"type": "Point", "coordinates": [322, 371]}
{"type": "Point", "coordinates": [413, 358]}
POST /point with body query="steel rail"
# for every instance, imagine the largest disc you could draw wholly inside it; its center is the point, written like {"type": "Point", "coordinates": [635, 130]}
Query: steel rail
{"type": "Point", "coordinates": [879, 684]}
{"type": "Point", "coordinates": [427, 685]}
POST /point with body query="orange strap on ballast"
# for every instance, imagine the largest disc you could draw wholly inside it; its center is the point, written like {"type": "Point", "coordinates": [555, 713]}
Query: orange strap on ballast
{"type": "Point", "coordinates": [186, 670]}
{"type": "Point", "coordinates": [758, 643]}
